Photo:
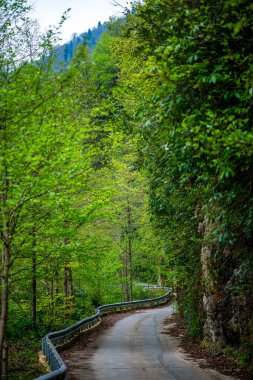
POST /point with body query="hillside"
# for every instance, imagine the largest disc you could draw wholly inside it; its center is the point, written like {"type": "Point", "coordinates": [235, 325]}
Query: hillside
{"type": "Point", "coordinates": [66, 52]}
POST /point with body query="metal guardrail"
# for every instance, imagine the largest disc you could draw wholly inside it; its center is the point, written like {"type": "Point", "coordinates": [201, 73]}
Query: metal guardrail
{"type": "Point", "coordinates": [61, 338]}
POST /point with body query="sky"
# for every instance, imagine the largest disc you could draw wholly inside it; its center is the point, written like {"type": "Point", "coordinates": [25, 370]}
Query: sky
{"type": "Point", "coordinates": [84, 14]}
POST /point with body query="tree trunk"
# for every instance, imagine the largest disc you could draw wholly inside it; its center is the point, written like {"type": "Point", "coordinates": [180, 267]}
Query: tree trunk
{"type": "Point", "coordinates": [34, 285]}
{"type": "Point", "coordinates": [68, 283]}
{"type": "Point", "coordinates": [127, 256]}
{"type": "Point", "coordinates": [160, 275]}
{"type": "Point", "coordinates": [129, 249]}
{"type": "Point", "coordinates": [130, 268]}
{"type": "Point", "coordinates": [68, 288]}
{"type": "Point", "coordinates": [56, 282]}
{"type": "Point", "coordinates": [6, 253]}
{"type": "Point", "coordinates": [125, 275]}
{"type": "Point", "coordinates": [4, 298]}
{"type": "Point", "coordinates": [5, 362]}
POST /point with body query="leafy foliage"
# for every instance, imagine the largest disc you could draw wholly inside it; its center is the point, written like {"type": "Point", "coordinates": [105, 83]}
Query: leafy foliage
{"type": "Point", "coordinates": [193, 97]}
{"type": "Point", "coordinates": [125, 166]}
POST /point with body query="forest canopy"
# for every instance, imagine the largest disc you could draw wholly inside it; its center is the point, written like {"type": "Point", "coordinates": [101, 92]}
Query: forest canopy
{"type": "Point", "coordinates": [129, 163]}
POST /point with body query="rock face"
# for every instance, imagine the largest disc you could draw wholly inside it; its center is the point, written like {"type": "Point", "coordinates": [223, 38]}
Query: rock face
{"type": "Point", "coordinates": [228, 294]}
{"type": "Point", "coordinates": [211, 298]}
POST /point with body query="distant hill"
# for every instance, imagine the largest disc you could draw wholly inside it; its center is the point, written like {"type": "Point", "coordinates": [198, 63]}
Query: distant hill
{"type": "Point", "coordinates": [66, 51]}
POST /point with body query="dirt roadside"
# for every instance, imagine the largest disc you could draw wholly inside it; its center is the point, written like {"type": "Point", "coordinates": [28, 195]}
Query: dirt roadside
{"type": "Point", "coordinates": [192, 350]}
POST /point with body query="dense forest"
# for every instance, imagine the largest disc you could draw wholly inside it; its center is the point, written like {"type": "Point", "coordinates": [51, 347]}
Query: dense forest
{"type": "Point", "coordinates": [131, 164]}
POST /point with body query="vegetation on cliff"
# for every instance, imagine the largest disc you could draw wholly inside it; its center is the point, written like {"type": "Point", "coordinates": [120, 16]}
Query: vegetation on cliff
{"type": "Point", "coordinates": [191, 92]}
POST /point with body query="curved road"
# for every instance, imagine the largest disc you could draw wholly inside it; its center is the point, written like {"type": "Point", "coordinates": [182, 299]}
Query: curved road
{"type": "Point", "coordinates": [135, 348]}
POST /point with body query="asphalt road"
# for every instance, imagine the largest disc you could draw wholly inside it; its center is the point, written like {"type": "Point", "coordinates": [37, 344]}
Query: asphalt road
{"type": "Point", "coordinates": [136, 348]}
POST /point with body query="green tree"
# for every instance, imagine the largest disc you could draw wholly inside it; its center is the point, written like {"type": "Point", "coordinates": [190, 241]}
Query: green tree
{"type": "Point", "coordinates": [196, 141]}
{"type": "Point", "coordinates": [34, 145]}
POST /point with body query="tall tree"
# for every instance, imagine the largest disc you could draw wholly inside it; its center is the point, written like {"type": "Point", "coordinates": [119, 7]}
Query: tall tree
{"type": "Point", "coordinates": [33, 144]}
